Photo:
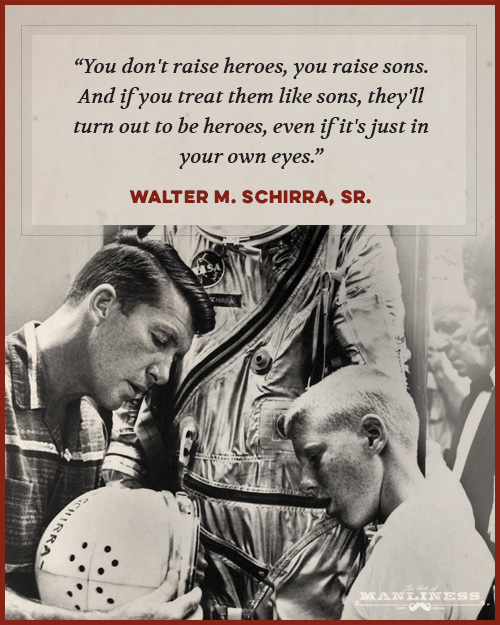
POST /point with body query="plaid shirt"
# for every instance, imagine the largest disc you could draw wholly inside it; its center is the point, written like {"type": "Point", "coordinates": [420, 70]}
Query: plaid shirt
{"type": "Point", "coordinates": [52, 455]}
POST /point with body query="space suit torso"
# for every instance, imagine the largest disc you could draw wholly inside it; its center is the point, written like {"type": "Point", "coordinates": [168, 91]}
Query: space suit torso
{"type": "Point", "coordinates": [285, 314]}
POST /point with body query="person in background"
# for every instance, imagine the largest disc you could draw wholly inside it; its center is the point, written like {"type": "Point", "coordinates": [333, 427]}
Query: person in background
{"type": "Point", "coordinates": [355, 435]}
{"type": "Point", "coordinates": [472, 456]}
{"type": "Point", "coordinates": [131, 311]}
{"type": "Point", "coordinates": [453, 319]}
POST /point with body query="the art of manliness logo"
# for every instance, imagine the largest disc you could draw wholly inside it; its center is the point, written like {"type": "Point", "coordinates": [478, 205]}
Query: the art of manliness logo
{"type": "Point", "coordinates": [422, 597]}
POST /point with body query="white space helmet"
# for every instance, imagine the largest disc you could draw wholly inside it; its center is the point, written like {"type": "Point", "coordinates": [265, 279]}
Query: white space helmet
{"type": "Point", "coordinates": [113, 545]}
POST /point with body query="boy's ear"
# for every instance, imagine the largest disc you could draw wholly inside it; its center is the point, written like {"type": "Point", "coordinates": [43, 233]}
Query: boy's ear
{"type": "Point", "coordinates": [375, 432]}
{"type": "Point", "coordinates": [102, 302]}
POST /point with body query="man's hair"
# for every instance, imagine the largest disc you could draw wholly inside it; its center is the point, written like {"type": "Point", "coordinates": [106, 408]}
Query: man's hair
{"type": "Point", "coordinates": [342, 399]}
{"type": "Point", "coordinates": [479, 265]}
{"type": "Point", "coordinates": [139, 269]}
{"type": "Point", "coordinates": [452, 297]}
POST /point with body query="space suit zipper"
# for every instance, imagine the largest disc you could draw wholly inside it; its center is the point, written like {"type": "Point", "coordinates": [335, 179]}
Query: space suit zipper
{"type": "Point", "coordinates": [257, 323]}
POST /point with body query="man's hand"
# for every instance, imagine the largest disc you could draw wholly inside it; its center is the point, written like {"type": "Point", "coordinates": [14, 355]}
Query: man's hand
{"type": "Point", "coordinates": [160, 604]}
{"type": "Point", "coordinates": [155, 606]}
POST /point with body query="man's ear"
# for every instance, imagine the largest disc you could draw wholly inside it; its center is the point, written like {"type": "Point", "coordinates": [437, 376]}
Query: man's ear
{"type": "Point", "coordinates": [102, 302]}
{"type": "Point", "coordinates": [375, 433]}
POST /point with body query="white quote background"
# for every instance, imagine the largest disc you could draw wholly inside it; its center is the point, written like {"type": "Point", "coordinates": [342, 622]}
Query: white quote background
{"type": "Point", "coordinates": [85, 179]}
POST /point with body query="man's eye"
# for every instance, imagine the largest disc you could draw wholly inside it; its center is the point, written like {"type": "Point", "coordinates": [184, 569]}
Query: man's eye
{"type": "Point", "coordinates": [159, 342]}
{"type": "Point", "coordinates": [315, 459]}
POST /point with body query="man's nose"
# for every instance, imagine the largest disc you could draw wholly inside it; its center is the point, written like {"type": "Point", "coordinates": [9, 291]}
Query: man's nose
{"type": "Point", "coordinates": [159, 371]}
{"type": "Point", "coordinates": [442, 342]}
{"type": "Point", "coordinates": [308, 486]}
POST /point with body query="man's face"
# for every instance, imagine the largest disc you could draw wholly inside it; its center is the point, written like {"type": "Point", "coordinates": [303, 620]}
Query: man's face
{"type": "Point", "coordinates": [337, 465]}
{"type": "Point", "coordinates": [128, 354]}
{"type": "Point", "coordinates": [481, 287]}
{"type": "Point", "coordinates": [468, 359]}
{"type": "Point", "coordinates": [483, 332]}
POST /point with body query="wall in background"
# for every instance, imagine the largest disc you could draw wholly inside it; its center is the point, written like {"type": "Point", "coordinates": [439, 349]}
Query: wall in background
{"type": "Point", "coordinates": [38, 272]}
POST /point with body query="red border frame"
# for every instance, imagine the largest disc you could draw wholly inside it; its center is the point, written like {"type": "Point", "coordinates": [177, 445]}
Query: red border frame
{"type": "Point", "coordinates": [199, 3]}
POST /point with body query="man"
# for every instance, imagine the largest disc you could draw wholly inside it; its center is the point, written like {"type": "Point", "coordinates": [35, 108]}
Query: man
{"type": "Point", "coordinates": [473, 455]}
{"type": "Point", "coordinates": [355, 435]}
{"type": "Point", "coordinates": [453, 317]}
{"type": "Point", "coordinates": [479, 278]}
{"type": "Point", "coordinates": [294, 302]}
{"type": "Point", "coordinates": [131, 311]}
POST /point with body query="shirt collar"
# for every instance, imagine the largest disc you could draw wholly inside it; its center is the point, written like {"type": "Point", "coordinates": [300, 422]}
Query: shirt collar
{"type": "Point", "coordinates": [29, 380]}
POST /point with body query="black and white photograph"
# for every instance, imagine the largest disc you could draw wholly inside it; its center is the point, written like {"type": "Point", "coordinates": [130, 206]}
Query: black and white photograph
{"type": "Point", "coordinates": [242, 421]}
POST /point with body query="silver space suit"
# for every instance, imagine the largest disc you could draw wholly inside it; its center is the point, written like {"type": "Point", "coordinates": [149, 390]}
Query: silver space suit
{"type": "Point", "coordinates": [292, 304]}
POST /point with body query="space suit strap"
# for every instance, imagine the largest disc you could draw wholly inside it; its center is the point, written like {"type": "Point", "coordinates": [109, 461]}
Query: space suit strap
{"type": "Point", "coordinates": [331, 280]}
{"type": "Point", "coordinates": [334, 272]}
{"type": "Point", "coordinates": [332, 253]}
{"type": "Point", "coordinates": [149, 436]}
